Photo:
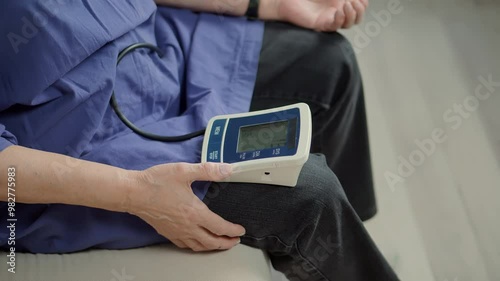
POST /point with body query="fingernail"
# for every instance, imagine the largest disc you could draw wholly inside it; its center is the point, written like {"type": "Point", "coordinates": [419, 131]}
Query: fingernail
{"type": "Point", "coordinates": [239, 241]}
{"type": "Point", "coordinates": [225, 169]}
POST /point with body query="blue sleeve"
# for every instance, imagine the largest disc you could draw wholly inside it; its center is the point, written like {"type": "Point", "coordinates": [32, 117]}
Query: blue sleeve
{"type": "Point", "coordinates": [6, 138]}
{"type": "Point", "coordinates": [45, 39]}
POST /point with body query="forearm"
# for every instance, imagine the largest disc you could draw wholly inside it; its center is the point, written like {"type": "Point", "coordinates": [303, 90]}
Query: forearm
{"type": "Point", "coordinates": [43, 177]}
{"type": "Point", "coordinates": [227, 7]}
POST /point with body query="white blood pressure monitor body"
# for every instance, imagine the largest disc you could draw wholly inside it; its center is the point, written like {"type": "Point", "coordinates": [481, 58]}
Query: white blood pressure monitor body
{"type": "Point", "coordinates": [268, 146]}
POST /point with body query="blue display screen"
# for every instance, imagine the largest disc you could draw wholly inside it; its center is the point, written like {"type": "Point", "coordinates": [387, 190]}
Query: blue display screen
{"type": "Point", "coordinates": [262, 136]}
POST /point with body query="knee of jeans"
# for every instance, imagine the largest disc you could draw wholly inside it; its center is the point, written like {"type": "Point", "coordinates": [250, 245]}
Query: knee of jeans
{"type": "Point", "coordinates": [320, 190]}
{"type": "Point", "coordinates": [337, 59]}
{"type": "Point", "coordinates": [342, 44]}
{"type": "Point", "coordinates": [335, 51]}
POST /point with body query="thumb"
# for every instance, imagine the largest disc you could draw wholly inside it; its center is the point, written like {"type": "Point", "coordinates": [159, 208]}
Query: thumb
{"type": "Point", "coordinates": [209, 171]}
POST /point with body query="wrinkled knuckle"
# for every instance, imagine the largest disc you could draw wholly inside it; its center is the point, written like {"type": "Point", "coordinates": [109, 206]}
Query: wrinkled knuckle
{"type": "Point", "coordinates": [182, 168]}
{"type": "Point", "coordinates": [207, 168]}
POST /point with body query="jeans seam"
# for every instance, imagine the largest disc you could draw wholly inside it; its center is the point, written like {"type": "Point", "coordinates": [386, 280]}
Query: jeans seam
{"type": "Point", "coordinates": [288, 247]}
{"type": "Point", "coordinates": [270, 236]}
{"type": "Point", "coordinates": [309, 262]}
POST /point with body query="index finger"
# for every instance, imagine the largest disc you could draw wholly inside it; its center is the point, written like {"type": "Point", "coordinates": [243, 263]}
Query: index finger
{"type": "Point", "coordinates": [206, 171]}
{"type": "Point", "coordinates": [219, 226]}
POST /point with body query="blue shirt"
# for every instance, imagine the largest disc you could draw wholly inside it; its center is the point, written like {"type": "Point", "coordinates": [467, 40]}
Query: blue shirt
{"type": "Point", "coordinates": [57, 73]}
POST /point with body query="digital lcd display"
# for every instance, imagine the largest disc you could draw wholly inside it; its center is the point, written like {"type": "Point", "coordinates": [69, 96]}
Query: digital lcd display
{"type": "Point", "coordinates": [262, 136]}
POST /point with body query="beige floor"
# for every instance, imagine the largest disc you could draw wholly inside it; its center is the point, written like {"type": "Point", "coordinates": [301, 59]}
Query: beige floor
{"type": "Point", "coordinates": [440, 221]}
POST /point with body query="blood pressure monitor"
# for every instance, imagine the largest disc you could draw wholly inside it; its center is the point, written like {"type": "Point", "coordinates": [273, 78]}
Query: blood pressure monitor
{"type": "Point", "coordinates": [268, 146]}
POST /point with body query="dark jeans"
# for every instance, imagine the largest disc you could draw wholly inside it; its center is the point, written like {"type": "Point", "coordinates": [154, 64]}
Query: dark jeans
{"type": "Point", "coordinates": [312, 231]}
{"type": "Point", "coordinates": [298, 65]}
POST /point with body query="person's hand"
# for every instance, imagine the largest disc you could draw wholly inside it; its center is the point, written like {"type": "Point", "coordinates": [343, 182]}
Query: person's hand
{"type": "Point", "coordinates": [165, 201]}
{"type": "Point", "coordinates": [320, 15]}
